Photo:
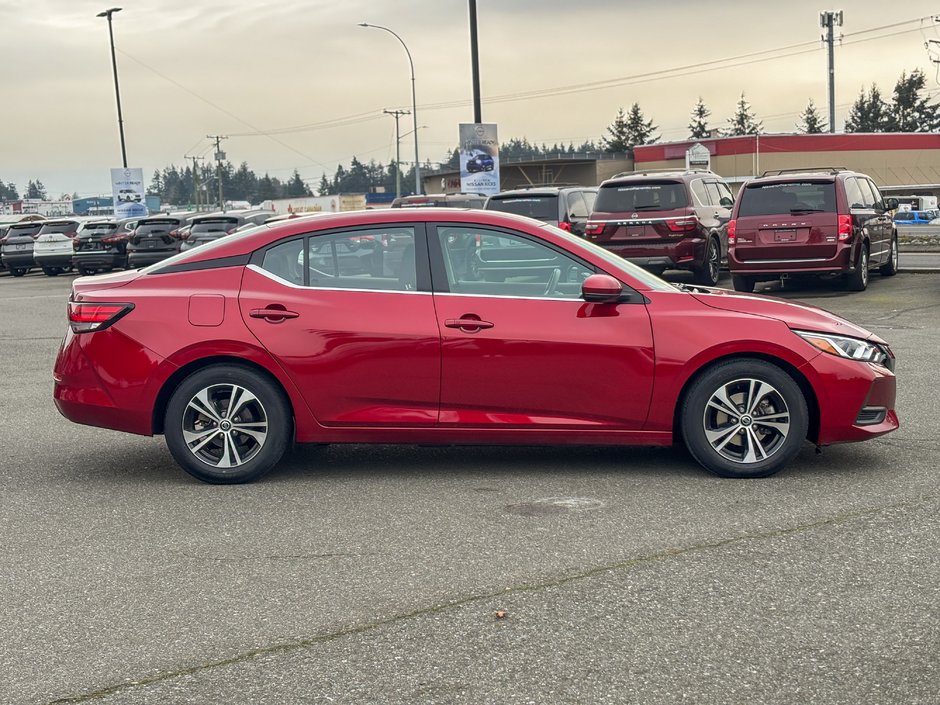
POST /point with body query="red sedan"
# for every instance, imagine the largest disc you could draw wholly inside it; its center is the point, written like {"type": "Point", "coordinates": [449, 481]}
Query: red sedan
{"type": "Point", "coordinates": [454, 327]}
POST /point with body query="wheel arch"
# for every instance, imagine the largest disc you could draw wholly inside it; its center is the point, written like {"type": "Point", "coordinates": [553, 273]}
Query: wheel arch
{"type": "Point", "coordinates": [175, 379]}
{"type": "Point", "coordinates": [812, 403]}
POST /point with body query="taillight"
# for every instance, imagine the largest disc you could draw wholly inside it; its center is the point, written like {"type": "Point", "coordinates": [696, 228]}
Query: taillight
{"type": "Point", "coordinates": [682, 225]}
{"type": "Point", "coordinates": [182, 234]}
{"type": "Point", "coordinates": [732, 231]}
{"type": "Point", "coordinates": [231, 230]}
{"type": "Point", "coordinates": [114, 239]}
{"type": "Point", "coordinates": [71, 234]}
{"type": "Point", "coordinates": [90, 317]}
{"type": "Point", "coordinates": [565, 226]}
{"type": "Point", "coordinates": [175, 234]}
{"type": "Point", "coordinates": [845, 227]}
{"type": "Point", "coordinates": [594, 229]}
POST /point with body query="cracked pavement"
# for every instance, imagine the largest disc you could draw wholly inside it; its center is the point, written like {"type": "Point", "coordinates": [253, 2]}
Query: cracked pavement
{"type": "Point", "coordinates": [373, 575]}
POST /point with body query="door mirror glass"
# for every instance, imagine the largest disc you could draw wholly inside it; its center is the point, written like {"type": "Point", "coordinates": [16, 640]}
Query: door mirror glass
{"type": "Point", "coordinates": [891, 204]}
{"type": "Point", "coordinates": [726, 202]}
{"type": "Point", "coordinates": [601, 288]}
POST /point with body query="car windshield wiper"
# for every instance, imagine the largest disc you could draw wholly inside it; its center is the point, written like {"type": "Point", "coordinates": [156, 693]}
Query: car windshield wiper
{"type": "Point", "coordinates": [806, 210]}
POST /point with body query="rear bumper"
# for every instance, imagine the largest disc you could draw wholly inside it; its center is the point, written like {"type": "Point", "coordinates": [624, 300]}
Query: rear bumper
{"type": "Point", "coordinates": [143, 258]}
{"type": "Point", "coordinates": [53, 260]}
{"type": "Point", "coordinates": [842, 262]}
{"type": "Point", "coordinates": [15, 260]}
{"type": "Point", "coordinates": [98, 260]}
{"type": "Point", "coordinates": [683, 253]}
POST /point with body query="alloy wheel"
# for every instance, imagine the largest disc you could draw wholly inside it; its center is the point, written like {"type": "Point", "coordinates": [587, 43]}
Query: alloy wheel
{"type": "Point", "coordinates": [224, 425]}
{"type": "Point", "coordinates": [746, 420]}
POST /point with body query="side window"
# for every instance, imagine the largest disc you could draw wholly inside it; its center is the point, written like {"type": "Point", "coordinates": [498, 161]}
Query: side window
{"type": "Point", "coordinates": [713, 196]}
{"type": "Point", "coordinates": [876, 194]}
{"type": "Point", "coordinates": [493, 263]}
{"type": "Point", "coordinates": [576, 205]}
{"type": "Point", "coordinates": [853, 194]}
{"type": "Point", "coordinates": [868, 197]}
{"type": "Point", "coordinates": [725, 197]}
{"type": "Point", "coordinates": [381, 258]}
{"type": "Point", "coordinates": [698, 188]}
{"type": "Point", "coordinates": [589, 198]}
{"type": "Point", "coordinates": [286, 261]}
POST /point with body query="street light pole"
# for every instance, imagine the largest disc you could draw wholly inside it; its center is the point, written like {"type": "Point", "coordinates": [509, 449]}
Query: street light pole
{"type": "Point", "coordinates": [414, 102]}
{"type": "Point", "coordinates": [397, 114]}
{"type": "Point", "coordinates": [117, 90]}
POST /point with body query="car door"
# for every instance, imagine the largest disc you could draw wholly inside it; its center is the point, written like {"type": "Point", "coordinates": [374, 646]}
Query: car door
{"type": "Point", "coordinates": [520, 349]}
{"type": "Point", "coordinates": [349, 316]}
{"type": "Point", "coordinates": [881, 225]}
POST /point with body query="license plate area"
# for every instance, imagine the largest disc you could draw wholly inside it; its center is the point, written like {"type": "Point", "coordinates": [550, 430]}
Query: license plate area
{"type": "Point", "coordinates": [785, 235]}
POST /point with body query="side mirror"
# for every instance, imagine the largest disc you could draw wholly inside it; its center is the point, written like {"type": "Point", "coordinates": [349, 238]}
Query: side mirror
{"type": "Point", "coordinates": [601, 289]}
{"type": "Point", "coordinates": [891, 204]}
{"type": "Point", "coordinates": [726, 202]}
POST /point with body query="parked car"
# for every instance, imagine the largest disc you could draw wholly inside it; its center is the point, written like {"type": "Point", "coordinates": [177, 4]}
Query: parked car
{"type": "Point", "coordinates": [567, 207]}
{"type": "Point", "coordinates": [7, 220]}
{"type": "Point", "coordinates": [441, 200]}
{"type": "Point", "coordinates": [665, 220]}
{"type": "Point", "coordinates": [153, 240]}
{"type": "Point", "coordinates": [480, 162]}
{"type": "Point", "coordinates": [207, 228]}
{"type": "Point", "coordinates": [128, 195]}
{"type": "Point", "coordinates": [54, 246]}
{"type": "Point", "coordinates": [100, 246]}
{"type": "Point", "coordinates": [831, 222]}
{"type": "Point", "coordinates": [237, 349]}
{"type": "Point", "coordinates": [16, 247]}
{"type": "Point", "coordinates": [916, 217]}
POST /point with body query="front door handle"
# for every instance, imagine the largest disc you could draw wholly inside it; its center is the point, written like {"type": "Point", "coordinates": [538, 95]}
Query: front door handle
{"type": "Point", "coordinates": [273, 313]}
{"type": "Point", "coordinates": [467, 324]}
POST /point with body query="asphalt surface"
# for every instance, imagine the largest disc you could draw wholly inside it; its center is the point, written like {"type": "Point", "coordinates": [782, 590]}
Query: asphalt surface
{"type": "Point", "coordinates": [375, 574]}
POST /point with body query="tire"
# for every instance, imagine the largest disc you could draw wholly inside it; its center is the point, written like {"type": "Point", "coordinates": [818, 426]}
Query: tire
{"type": "Point", "coordinates": [737, 444]}
{"type": "Point", "coordinates": [741, 283]}
{"type": "Point", "coordinates": [891, 268]}
{"type": "Point", "coordinates": [710, 271]}
{"type": "Point", "coordinates": [19, 271]}
{"type": "Point", "coordinates": [858, 280]}
{"type": "Point", "coordinates": [85, 272]}
{"type": "Point", "coordinates": [51, 271]}
{"type": "Point", "coordinates": [197, 416]}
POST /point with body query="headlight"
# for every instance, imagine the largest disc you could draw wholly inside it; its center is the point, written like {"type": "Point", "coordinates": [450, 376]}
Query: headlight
{"type": "Point", "coordinates": [851, 348]}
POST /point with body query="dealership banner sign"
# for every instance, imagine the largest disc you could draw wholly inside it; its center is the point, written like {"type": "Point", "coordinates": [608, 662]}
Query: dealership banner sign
{"type": "Point", "coordinates": [127, 189]}
{"type": "Point", "coordinates": [479, 158]}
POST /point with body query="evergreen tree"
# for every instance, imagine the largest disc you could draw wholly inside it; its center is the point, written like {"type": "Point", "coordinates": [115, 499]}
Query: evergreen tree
{"type": "Point", "coordinates": [698, 125]}
{"type": "Point", "coordinates": [35, 189]}
{"type": "Point", "coordinates": [324, 188]}
{"type": "Point", "coordinates": [618, 139]}
{"type": "Point", "coordinates": [910, 109]}
{"type": "Point", "coordinates": [868, 113]}
{"type": "Point", "coordinates": [811, 122]}
{"type": "Point", "coordinates": [8, 192]}
{"type": "Point", "coordinates": [296, 186]}
{"type": "Point", "coordinates": [743, 122]}
{"type": "Point", "coordinates": [640, 130]}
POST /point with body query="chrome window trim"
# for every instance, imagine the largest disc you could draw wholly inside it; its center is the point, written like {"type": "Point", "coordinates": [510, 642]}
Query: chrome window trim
{"type": "Point", "coordinates": [507, 296]}
{"type": "Point", "coordinates": [284, 282]}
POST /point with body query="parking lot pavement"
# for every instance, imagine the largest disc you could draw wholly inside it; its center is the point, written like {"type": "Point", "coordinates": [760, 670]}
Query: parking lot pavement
{"type": "Point", "coordinates": [374, 574]}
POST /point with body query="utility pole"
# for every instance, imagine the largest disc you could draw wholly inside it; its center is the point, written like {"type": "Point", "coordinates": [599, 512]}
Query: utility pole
{"type": "Point", "coordinates": [829, 20]}
{"type": "Point", "coordinates": [475, 63]}
{"type": "Point", "coordinates": [219, 157]}
{"type": "Point", "coordinates": [195, 179]}
{"type": "Point", "coordinates": [397, 114]}
{"type": "Point", "coordinates": [117, 91]}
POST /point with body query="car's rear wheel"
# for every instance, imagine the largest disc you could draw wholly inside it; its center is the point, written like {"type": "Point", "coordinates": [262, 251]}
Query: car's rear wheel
{"type": "Point", "coordinates": [52, 271]}
{"type": "Point", "coordinates": [86, 271]}
{"type": "Point", "coordinates": [19, 271]}
{"type": "Point", "coordinates": [744, 418]}
{"type": "Point", "coordinates": [227, 424]}
{"type": "Point", "coordinates": [890, 268]}
{"type": "Point", "coordinates": [742, 283]}
{"type": "Point", "coordinates": [710, 269]}
{"type": "Point", "coordinates": [857, 280]}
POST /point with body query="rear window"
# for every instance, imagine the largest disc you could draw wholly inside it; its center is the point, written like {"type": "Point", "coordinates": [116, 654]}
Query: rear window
{"type": "Point", "coordinates": [157, 226]}
{"type": "Point", "coordinates": [538, 207]}
{"type": "Point", "coordinates": [27, 229]}
{"type": "Point", "coordinates": [904, 215]}
{"type": "Point", "coordinates": [641, 196]}
{"type": "Point", "coordinates": [214, 226]}
{"type": "Point", "coordinates": [789, 197]}
{"type": "Point", "coordinates": [99, 228]}
{"type": "Point", "coordinates": [58, 228]}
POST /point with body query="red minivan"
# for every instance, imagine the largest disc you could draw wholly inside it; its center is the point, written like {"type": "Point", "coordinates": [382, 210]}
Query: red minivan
{"type": "Point", "coordinates": [828, 221]}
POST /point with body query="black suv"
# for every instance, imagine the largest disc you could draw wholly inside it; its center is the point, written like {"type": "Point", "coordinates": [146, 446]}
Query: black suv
{"type": "Point", "coordinates": [100, 246]}
{"type": "Point", "coordinates": [665, 219]}
{"type": "Point", "coordinates": [567, 207]}
{"type": "Point", "coordinates": [822, 221]}
{"type": "Point", "coordinates": [154, 239]}
{"type": "Point", "coordinates": [16, 247]}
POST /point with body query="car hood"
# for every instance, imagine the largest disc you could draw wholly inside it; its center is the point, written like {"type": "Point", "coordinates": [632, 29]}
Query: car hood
{"type": "Point", "coordinates": [793, 314]}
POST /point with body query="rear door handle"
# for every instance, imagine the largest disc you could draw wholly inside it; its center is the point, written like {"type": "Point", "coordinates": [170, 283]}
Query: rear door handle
{"type": "Point", "coordinates": [273, 315]}
{"type": "Point", "coordinates": [467, 325]}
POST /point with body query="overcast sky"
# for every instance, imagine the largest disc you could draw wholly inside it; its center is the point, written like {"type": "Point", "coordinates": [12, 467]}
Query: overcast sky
{"type": "Point", "coordinates": [188, 69]}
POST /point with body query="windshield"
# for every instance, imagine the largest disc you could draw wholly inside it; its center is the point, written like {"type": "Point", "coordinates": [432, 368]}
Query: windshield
{"type": "Point", "coordinates": [651, 281]}
{"type": "Point", "coordinates": [538, 207]}
{"type": "Point", "coordinates": [640, 196]}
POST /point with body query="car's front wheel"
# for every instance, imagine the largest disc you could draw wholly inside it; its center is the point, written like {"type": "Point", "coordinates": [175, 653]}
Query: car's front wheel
{"type": "Point", "coordinates": [857, 280]}
{"type": "Point", "coordinates": [744, 418]}
{"type": "Point", "coordinates": [227, 424]}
